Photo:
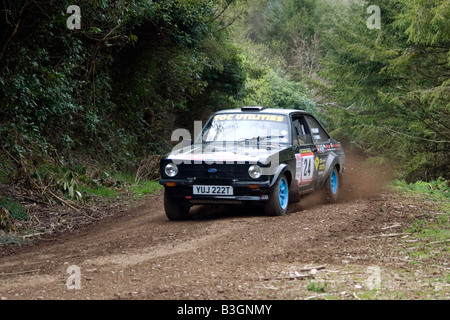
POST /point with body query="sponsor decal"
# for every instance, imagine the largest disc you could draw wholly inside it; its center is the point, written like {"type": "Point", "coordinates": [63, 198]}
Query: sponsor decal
{"type": "Point", "coordinates": [244, 116]}
{"type": "Point", "coordinates": [305, 167]}
{"type": "Point", "coordinates": [316, 163]}
{"type": "Point", "coordinates": [321, 165]}
{"type": "Point", "coordinates": [321, 148]}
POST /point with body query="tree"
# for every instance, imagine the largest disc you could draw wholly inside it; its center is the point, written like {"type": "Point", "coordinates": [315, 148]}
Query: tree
{"type": "Point", "coordinates": [392, 84]}
{"type": "Point", "coordinates": [113, 88]}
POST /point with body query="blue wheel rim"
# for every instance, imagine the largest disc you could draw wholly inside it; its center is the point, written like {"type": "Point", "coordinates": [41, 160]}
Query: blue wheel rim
{"type": "Point", "coordinates": [283, 193]}
{"type": "Point", "coordinates": [334, 182]}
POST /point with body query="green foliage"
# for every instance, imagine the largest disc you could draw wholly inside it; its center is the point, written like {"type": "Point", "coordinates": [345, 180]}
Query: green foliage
{"type": "Point", "coordinates": [425, 22]}
{"type": "Point", "coordinates": [276, 91]}
{"type": "Point", "coordinates": [116, 185]}
{"type": "Point", "coordinates": [6, 167]}
{"type": "Point", "coordinates": [317, 287]}
{"type": "Point", "coordinates": [436, 190]}
{"type": "Point", "coordinates": [16, 210]}
{"type": "Point", "coordinates": [389, 87]}
{"type": "Point", "coordinates": [431, 228]}
{"type": "Point", "coordinates": [117, 87]}
{"type": "Point", "coordinates": [69, 185]}
{"type": "Point", "coordinates": [101, 191]}
{"type": "Point", "coordinates": [145, 187]}
{"type": "Point", "coordinates": [384, 91]}
{"type": "Point", "coordinates": [138, 188]}
{"type": "Point", "coordinates": [264, 57]}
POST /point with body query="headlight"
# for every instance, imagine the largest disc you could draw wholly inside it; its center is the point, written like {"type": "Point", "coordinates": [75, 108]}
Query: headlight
{"type": "Point", "coordinates": [171, 170]}
{"type": "Point", "coordinates": [254, 171]}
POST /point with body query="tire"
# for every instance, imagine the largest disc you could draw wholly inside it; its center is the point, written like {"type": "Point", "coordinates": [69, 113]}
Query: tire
{"type": "Point", "coordinates": [175, 210]}
{"type": "Point", "coordinates": [332, 187]}
{"type": "Point", "coordinates": [294, 192]}
{"type": "Point", "coordinates": [279, 200]}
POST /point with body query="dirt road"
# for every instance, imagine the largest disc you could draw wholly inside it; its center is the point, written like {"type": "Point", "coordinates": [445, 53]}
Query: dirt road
{"type": "Point", "coordinates": [349, 250]}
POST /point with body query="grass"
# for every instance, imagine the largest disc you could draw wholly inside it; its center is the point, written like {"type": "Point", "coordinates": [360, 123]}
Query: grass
{"type": "Point", "coordinates": [317, 287]}
{"type": "Point", "coordinates": [435, 191]}
{"type": "Point", "coordinates": [434, 229]}
{"type": "Point", "coordinates": [433, 234]}
{"type": "Point", "coordinates": [100, 191]}
{"type": "Point", "coordinates": [119, 184]}
{"type": "Point", "coordinates": [138, 188]}
{"type": "Point", "coordinates": [145, 187]}
{"type": "Point", "coordinates": [433, 226]}
{"type": "Point", "coordinates": [431, 230]}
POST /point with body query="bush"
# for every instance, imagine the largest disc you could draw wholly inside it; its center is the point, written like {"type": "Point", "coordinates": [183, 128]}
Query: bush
{"type": "Point", "coordinates": [435, 190]}
{"type": "Point", "coordinates": [15, 209]}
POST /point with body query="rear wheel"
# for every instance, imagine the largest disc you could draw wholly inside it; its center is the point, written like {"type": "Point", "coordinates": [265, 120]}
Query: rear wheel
{"type": "Point", "coordinates": [278, 202]}
{"type": "Point", "coordinates": [332, 186]}
{"type": "Point", "coordinates": [175, 210]}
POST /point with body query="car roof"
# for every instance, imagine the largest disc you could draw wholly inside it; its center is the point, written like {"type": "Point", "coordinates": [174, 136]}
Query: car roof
{"type": "Point", "coordinates": [262, 110]}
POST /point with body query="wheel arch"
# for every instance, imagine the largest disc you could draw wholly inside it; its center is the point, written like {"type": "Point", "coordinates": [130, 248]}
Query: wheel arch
{"type": "Point", "coordinates": [331, 163]}
{"type": "Point", "coordinates": [282, 169]}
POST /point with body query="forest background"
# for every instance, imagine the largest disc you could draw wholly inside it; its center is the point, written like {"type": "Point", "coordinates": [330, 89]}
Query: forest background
{"type": "Point", "coordinates": [87, 98]}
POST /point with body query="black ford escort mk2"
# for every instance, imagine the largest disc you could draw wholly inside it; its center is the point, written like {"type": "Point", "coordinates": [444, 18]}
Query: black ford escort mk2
{"type": "Point", "coordinates": [253, 155]}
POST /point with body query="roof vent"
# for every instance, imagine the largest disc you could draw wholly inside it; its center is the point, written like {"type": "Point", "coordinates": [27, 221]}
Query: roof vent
{"type": "Point", "coordinates": [252, 108]}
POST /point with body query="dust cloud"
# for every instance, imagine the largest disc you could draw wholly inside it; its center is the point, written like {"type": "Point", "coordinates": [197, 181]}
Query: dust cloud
{"type": "Point", "coordinates": [360, 180]}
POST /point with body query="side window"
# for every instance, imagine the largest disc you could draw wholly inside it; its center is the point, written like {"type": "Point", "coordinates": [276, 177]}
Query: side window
{"type": "Point", "coordinates": [300, 134]}
{"type": "Point", "coordinates": [317, 132]}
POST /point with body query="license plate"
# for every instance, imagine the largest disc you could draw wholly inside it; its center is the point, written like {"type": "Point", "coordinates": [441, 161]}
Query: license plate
{"type": "Point", "coordinates": [213, 190]}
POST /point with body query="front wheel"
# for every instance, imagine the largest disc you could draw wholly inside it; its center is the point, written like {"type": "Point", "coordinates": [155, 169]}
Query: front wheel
{"type": "Point", "coordinates": [332, 186]}
{"type": "Point", "coordinates": [278, 202]}
{"type": "Point", "coordinates": [175, 210]}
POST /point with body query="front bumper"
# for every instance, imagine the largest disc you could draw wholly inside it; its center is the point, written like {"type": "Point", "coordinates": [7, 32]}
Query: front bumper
{"type": "Point", "coordinates": [243, 191]}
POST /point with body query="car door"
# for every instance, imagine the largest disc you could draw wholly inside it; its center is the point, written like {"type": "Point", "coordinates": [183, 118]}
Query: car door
{"type": "Point", "coordinates": [305, 154]}
{"type": "Point", "coordinates": [322, 148]}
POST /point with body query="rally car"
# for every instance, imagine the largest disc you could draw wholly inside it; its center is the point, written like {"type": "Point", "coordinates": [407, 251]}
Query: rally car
{"type": "Point", "coordinates": [253, 155]}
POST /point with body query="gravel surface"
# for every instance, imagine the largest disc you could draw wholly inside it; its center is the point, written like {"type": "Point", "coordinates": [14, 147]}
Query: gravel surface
{"type": "Point", "coordinates": [356, 249]}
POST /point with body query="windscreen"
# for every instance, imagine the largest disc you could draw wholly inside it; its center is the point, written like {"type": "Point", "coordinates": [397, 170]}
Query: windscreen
{"type": "Point", "coordinates": [247, 127]}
